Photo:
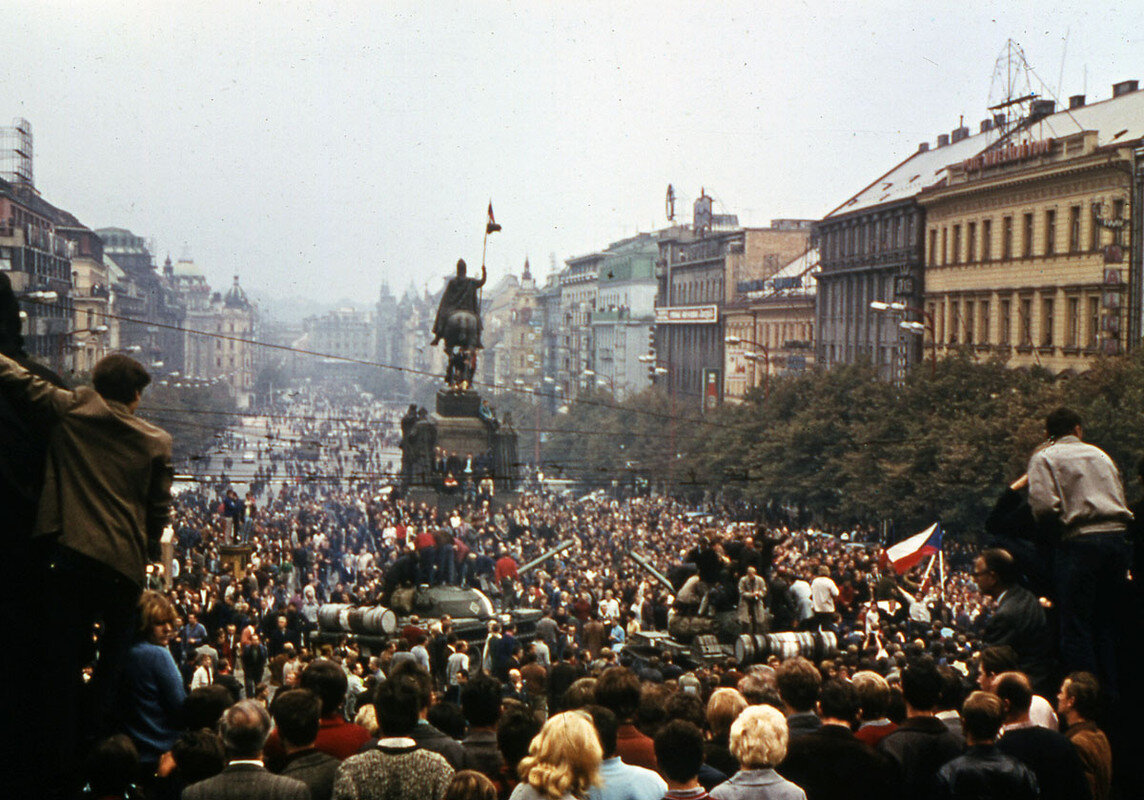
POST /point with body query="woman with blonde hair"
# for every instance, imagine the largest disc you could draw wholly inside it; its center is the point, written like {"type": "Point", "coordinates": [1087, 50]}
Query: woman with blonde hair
{"type": "Point", "coordinates": [469, 784]}
{"type": "Point", "coordinates": [759, 739]}
{"type": "Point", "coordinates": [563, 761]}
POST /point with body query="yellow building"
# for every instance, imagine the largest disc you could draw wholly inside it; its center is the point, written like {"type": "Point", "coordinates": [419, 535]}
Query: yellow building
{"type": "Point", "coordinates": [1028, 252]}
{"type": "Point", "coordinates": [770, 329]}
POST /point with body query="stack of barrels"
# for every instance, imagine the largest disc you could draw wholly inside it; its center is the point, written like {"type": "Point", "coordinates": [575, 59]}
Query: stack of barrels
{"type": "Point", "coordinates": [757, 649]}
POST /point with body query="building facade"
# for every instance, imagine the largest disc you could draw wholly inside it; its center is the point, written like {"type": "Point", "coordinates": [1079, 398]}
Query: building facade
{"type": "Point", "coordinates": [578, 289]}
{"type": "Point", "coordinates": [623, 323]}
{"type": "Point", "coordinates": [1029, 253]}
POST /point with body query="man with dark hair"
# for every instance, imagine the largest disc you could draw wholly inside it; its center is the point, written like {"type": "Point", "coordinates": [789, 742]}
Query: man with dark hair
{"type": "Point", "coordinates": [1018, 621]}
{"type": "Point", "coordinates": [1047, 753]}
{"type": "Point", "coordinates": [296, 715]}
{"type": "Point", "coordinates": [515, 731]}
{"type": "Point", "coordinates": [618, 780]}
{"type": "Point", "coordinates": [992, 661]}
{"type": "Point", "coordinates": [855, 771]}
{"type": "Point", "coordinates": [798, 682]}
{"type": "Point", "coordinates": [983, 772]}
{"type": "Point", "coordinates": [481, 705]}
{"type": "Point", "coordinates": [679, 750]}
{"type": "Point", "coordinates": [922, 743]}
{"type": "Point", "coordinates": [244, 728]}
{"type": "Point", "coordinates": [1075, 488]}
{"type": "Point", "coordinates": [103, 505]}
{"type": "Point", "coordinates": [1078, 704]}
{"type": "Point", "coordinates": [424, 732]}
{"type": "Point", "coordinates": [336, 736]}
{"type": "Point", "coordinates": [618, 690]}
{"type": "Point", "coordinates": [564, 673]}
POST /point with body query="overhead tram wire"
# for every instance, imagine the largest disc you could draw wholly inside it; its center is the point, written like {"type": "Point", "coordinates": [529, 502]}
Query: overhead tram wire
{"type": "Point", "coordinates": [408, 370]}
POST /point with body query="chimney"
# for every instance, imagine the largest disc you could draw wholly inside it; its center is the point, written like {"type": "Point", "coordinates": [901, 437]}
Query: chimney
{"type": "Point", "coordinates": [1041, 109]}
{"type": "Point", "coordinates": [942, 139]}
{"type": "Point", "coordinates": [923, 147]}
{"type": "Point", "coordinates": [986, 125]}
{"type": "Point", "coordinates": [959, 134]}
{"type": "Point", "coordinates": [1076, 101]}
{"type": "Point", "coordinates": [1124, 87]}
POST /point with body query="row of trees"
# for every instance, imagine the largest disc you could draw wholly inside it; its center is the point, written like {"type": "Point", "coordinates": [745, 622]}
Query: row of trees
{"type": "Point", "coordinates": [852, 449]}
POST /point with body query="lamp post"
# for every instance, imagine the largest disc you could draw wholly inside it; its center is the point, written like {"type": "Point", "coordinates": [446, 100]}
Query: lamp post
{"type": "Point", "coordinates": [97, 330]}
{"type": "Point", "coordinates": [766, 353]}
{"type": "Point", "coordinates": [912, 326]}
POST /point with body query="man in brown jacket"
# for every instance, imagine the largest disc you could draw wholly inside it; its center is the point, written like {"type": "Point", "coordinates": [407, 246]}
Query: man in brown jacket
{"type": "Point", "coordinates": [105, 501]}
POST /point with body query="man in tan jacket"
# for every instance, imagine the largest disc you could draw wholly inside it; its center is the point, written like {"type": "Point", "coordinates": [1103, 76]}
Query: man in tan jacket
{"type": "Point", "coordinates": [105, 501]}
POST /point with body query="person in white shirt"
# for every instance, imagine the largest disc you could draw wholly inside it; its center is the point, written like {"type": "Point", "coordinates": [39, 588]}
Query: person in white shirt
{"type": "Point", "coordinates": [204, 672]}
{"type": "Point", "coordinates": [609, 607]}
{"type": "Point", "coordinates": [823, 590]}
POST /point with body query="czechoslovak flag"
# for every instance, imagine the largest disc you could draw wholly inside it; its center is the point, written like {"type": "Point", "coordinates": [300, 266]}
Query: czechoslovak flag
{"type": "Point", "coordinates": [492, 226]}
{"type": "Point", "coordinates": [908, 552]}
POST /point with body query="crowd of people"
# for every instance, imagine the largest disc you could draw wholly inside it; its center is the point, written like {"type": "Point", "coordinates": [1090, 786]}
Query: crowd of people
{"type": "Point", "coordinates": [207, 677]}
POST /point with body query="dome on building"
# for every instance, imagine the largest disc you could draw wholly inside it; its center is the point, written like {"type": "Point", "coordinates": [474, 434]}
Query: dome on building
{"type": "Point", "coordinates": [185, 268]}
{"type": "Point", "coordinates": [236, 298]}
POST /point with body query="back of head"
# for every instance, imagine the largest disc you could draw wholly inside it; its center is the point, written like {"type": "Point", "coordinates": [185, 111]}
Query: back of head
{"type": "Point", "coordinates": [515, 731]}
{"type": "Point", "coordinates": [921, 684]}
{"type": "Point", "coordinates": [798, 683]}
{"type": "Point", "coordinates": [112, 766]}
{"type": "Point", "coordinates": [297, 714]}
{"type": "Point", "coordinates": [244, 729]}
{"type": "Point", "coordinates": [997, 659]}
{"type": "Point", "coordinates": [398, 704]}
{"type": "Point", "coordinates": [1061, 422]}
{"type": "Point", "coordinates": [469, 784]}
{"type": "Point", "coordinates": [685, 706]}
{"type": "Point", "coordinates": [1084, 690]}
{"type": "Point", "coordinates": [838, 700]}
{"type": "Point", "coordinates": [198, 755]}
{"type": "Point", "coordinates": [564, 758]}
{"type": "Point", "coordinates": [981, 716]}
{"type": "Point", "coordinates": [204, 706]}
{"type": "Point", "coordinates": [581, 693]}
{"type": "Point", "coordinates": [420, 677]}
{"type": "Point", "coordinates": [1015, 691]}
{"type": "Point", "coordinates": [618, 689]}
{"type": "Point", "coordinates": [755, 684]}
{"type": "Point", "coordinates": [952, 688]}
{"type": "Point", "coordinates": [679, 750]}
{"type": "Point", "coordinates": [481, 701]}
{"type": "Point", "coordinates": [873, 694]}
{"type": "Point", "coordinates": [119, 377]}
{"type": "Point", "coordinates": [723, 709]}
{"type": "Point", "coordinates": [606, 728]}
{"type": "Point", "coordinates": [759, 737]}
{"type": "Point", "coordinates": [327, 680]}
{"type": "Point", "coordinates": [1001, 563]}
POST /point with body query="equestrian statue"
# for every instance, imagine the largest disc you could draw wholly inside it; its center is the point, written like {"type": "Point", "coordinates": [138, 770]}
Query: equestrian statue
{"type": "Point", "coordinates": [458, 322]}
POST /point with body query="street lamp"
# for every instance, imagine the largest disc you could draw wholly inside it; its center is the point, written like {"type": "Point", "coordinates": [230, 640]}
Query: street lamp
{"type": "Point", "coordinates": [913, 326]}
{"type": "Point", "coordinates": [762, 348]}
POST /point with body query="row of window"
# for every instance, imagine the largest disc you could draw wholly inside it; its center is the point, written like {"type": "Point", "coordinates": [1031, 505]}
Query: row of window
{"type": "Point", "coordinates": [871, 237]}
{"type": "Point", "coordinates": [975, 241]}
{"type": "Point", "coordinates": [1021, 320]}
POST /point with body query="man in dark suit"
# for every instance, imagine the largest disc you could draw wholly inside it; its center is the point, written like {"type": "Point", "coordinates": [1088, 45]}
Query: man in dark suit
{"type": "Point", "coordinates": [1018, 621]}
{"type": "Point", "coordinates": [829, 763]}
{"type": "Point", "coordinates": [296, 715]}
{"type": "Point", "coordinates": [244, 727]}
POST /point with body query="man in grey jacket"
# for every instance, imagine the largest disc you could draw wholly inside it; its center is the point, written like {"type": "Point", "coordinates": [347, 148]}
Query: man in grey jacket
{"type": "Point", "coordinates": [1075, 489]}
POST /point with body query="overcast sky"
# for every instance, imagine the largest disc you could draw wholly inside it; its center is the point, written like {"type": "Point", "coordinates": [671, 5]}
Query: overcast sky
{"type": "Point", "coordinates": [318, 152]}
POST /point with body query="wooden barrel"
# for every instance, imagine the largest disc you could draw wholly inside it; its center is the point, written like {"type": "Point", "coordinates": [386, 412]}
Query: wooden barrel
{"type": "Point", "coordinates": [745, 649]}
{"type": "Point", "coordinates": [378, 621]}
{"type": "Point", "coordinates": [826, 645]}
{"type": "Point", "coordinates": [329, 614]}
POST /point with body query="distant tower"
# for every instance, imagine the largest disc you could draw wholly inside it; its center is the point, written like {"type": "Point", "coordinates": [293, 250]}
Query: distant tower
{"type": "Point", "coordinates": [16, 153]}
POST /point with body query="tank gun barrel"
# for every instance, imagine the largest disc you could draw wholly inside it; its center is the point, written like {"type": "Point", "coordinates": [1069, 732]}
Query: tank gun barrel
{"type": "Point", "coordinates": [655, 573]}
{"type": "Point", "coordinates": [540, 559]}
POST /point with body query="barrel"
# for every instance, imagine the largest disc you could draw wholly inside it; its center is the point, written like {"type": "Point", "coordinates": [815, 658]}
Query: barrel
{"type": "Point", "coordinates": [751, 649]}
{"type": "Point", "coordinates": [329, 615]}
{"type": "Point", "coordinates": [826, 645]}
{"type": "Point", "coordinates": [374, 621]}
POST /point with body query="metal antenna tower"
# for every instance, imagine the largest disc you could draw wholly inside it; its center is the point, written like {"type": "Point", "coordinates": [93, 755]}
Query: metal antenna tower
{"type": "Point", "coordinates": [1010, 92]}
{"type": "Point", "coordinates": [16, 153]}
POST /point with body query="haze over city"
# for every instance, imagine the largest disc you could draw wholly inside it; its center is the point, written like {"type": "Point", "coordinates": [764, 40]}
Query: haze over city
{"type": "Point", "coordinates": [318, 152]}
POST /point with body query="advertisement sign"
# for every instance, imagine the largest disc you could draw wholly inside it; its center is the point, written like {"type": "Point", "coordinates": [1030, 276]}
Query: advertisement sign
{"type": "Point", "coordinates": [687, 315]}
{"type": "Point", "coordinates": [710, 389]}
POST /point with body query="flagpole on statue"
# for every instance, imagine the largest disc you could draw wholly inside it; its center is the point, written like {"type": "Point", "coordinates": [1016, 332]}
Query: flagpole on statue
{"type": "Point", "coordinates": [491, 226]}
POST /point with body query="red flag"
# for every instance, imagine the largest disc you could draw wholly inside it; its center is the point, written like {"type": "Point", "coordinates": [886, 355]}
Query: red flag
{"type": "Point", "coordinates": [492, 226]}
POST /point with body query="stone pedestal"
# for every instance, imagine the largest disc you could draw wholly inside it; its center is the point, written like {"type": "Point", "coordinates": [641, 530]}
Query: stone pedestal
{"type": "Point", "coordinates": [237, 556]}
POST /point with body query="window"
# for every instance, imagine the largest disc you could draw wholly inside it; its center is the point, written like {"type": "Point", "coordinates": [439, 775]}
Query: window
{"type": "Point", "coordinates": [933, 246]}
{"type": "Point", "coordinates": [1005, 322]}
{"type": "Point", "coordinates": [1094, 231]}
{"type": "Point", "coordinates": [1047, 322]}
{"type": "Point", "coordinates": [1050, 232]}
{"type": "Point", "coordinates": [1027, 236]}
{"type": "Point", "coordinates": [971, 242]}
{"type": "Point", "coordinates": [986, 239]}
{"type": "Point", "coordinates": [1093, 322]}
{"type": "Point", "coordinates": [945, 245]}
{"type": "Point", "coordinates": [954, 322]}
{"type": "Point", "coordinates": [969, 320]}
{"type": "Point", "coordinates": [1074, 231]}
{"type": "Point", "coordinates": [1025, 322]}
{"type": "Point", "coordinates": [956, 254]}
{"type": "Point", "coordinates": [1006, 238]}
{"type": "Point", "coordinates": [983, 328]}
{"type": "Point", "coordinates": [1072, 321]}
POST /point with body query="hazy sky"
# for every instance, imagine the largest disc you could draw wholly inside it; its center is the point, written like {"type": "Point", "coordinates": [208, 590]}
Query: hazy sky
{"type": "Point", "coordinates": [318, 149]}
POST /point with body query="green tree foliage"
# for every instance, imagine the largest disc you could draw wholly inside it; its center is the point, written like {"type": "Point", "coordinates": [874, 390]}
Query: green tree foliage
{"type": "Point", "coordinates": [192, 414]}
{"type": "Point", "coordinates": [853, 449]}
